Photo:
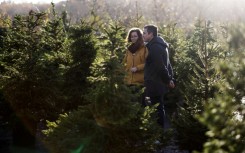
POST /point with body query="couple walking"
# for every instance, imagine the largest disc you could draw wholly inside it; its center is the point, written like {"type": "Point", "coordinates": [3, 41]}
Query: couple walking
{"type": "Point", "coordinates": [147, 64]}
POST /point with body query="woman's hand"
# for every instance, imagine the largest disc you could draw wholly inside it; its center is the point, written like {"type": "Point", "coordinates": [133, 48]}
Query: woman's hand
{"type": "Point", "coordinates": [133, 69]}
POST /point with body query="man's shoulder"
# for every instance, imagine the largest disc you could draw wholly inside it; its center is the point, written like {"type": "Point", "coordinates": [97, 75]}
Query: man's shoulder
{"type": "Point", "coordinates": [158, 41]}
{"type": "Point", "coordinates": [158, 46]}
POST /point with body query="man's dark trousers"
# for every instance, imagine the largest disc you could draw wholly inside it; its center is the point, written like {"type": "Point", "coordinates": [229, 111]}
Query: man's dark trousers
{"type": "Point", "coordinates": [160, 108]}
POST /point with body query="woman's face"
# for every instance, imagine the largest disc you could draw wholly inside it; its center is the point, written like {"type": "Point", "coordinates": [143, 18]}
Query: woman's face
{"type": "Point", "coordinates": [134, 37]}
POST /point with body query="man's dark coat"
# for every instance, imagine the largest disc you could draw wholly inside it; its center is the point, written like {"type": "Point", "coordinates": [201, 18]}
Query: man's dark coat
{"type": "Point", "coordinates": [158, 70]}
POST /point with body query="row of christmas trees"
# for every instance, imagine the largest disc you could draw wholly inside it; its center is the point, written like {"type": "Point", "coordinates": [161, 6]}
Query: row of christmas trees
{"type": "Point", "coordinates": [71, 76]}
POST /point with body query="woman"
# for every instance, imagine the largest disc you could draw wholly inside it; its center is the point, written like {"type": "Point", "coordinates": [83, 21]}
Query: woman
{"type": "Point", "coordinates": [134, 60]}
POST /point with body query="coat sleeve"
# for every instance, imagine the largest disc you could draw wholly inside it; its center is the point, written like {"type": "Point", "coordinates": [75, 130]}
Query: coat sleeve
{"type": "Point", "coordinates": [170, 71]}
{"type": "Point", "coordinates": [169, 66]}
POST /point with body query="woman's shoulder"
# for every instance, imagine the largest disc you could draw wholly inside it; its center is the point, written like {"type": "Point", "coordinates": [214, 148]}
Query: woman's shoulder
{"type": "Point", "coordinates": [142, 51]}
{"type": "Point", "coordinates": [143, 47]}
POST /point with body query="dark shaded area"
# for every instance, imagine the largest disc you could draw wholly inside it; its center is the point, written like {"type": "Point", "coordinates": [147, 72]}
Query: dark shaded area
{"type": "Point", "coordinates": [14, 134]}
{"type": "Point", "coordinates": [2, 34]}
{"type": "Point", "coordinates": [22, 135]}
{"type": "Point", "coordinates": [5, 126]}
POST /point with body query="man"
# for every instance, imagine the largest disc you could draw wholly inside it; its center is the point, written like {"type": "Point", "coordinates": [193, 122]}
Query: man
{"type": "Point", "coordinates": [158, 70]}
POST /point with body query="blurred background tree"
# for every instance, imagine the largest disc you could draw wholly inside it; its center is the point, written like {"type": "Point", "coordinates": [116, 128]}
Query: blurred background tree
{"type": "Point", "coordinates": [197, 78]}
{"type": "Point", "coordinates": [224, 115]}
{"type": "Point", "coordinates": [183, 12]}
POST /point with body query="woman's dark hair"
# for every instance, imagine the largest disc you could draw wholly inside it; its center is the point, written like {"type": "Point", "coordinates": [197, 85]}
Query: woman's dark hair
{"type": "Point", "coordinates": [139, 33]}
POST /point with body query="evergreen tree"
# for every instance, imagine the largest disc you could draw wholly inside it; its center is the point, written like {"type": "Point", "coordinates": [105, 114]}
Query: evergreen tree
{"type": "Point", "coordinates": [83, 51]}
{"type": "Point", "coordinates": [225, 114]}
{"type": "Point", "coordinates": [199, 84]}
{"type": "Point", "coordinates": [2, 34]}
{"type": "Point", "coordinates": [111, 122]}
{"type": "Point", "coordinates": [33, 60]}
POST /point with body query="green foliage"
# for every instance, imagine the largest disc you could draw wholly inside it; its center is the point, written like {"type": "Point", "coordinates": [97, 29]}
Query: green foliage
{"type": "Point", "coordinates": [81, 131]}
{"type": "Point", "coordinates": [47, 64]}
{"type": "Point", "coordinates": [109, 89]}
{"type": "Point", "coordinates": [83, 51]}
{"type": "Point", "coordinates": [33, 60]}
{"type": "Point", "coordinates": [2, 35]}
{"type": "Point", "coordinates": [198, 84]}
{"type": "Point", "coordinates": [44, 67]}
{"type": "Point", "coordinates": [109, 93]}
{"type": "Point", "coordinates": [75, 132]}
{"type": "Point", "coordinates": [205, 50]}
{"type": "Point", "coordinates": [225, 114]}
{"type": "Point", "coordinates": [112, 40]}
{"type": "Point", "coordinates": [111, 122]}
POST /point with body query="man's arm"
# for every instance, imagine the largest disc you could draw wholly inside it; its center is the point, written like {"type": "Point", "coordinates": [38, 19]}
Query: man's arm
{"type": "Point", "coordinates": [159, 63]}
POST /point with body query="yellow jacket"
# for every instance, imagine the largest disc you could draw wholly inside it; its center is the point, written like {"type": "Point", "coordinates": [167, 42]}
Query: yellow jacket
{"type": "Point", "coordinates": [135, 60]}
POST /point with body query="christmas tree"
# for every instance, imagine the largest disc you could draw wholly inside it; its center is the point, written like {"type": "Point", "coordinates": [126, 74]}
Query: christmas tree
{"type": "Point", "coordinates": [224, 115]}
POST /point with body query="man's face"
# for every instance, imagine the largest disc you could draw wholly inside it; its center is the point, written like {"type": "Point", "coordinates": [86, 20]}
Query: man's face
{"type": "Point", "coordinates": [147, 36]}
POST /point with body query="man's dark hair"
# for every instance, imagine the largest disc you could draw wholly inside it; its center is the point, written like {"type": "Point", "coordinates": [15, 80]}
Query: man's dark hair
{"type": "Point", "coordinates": [151, 29]}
